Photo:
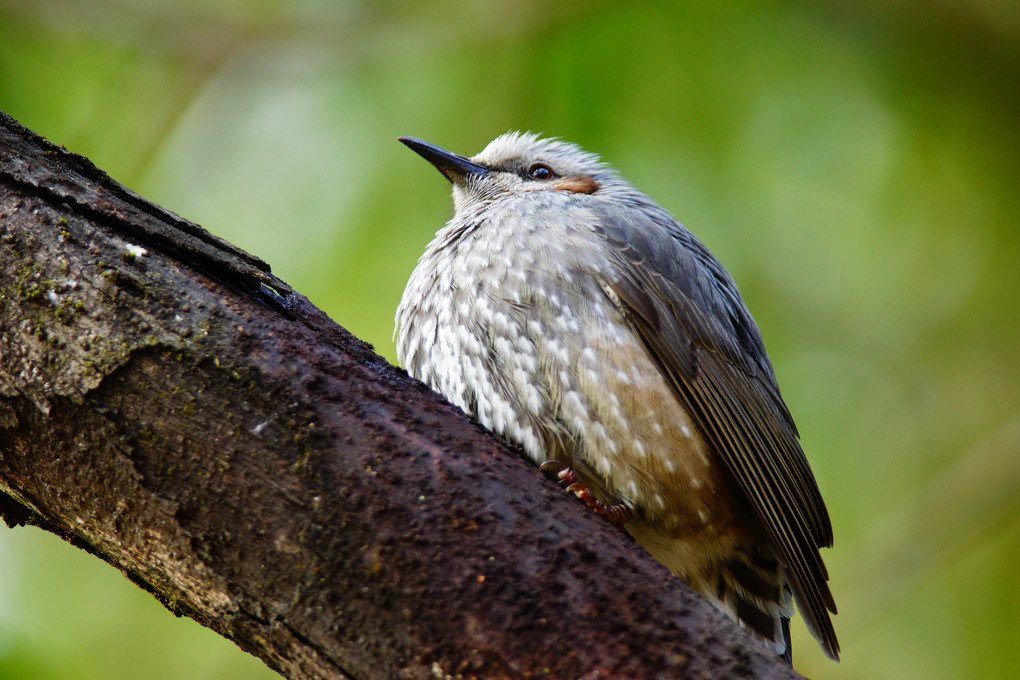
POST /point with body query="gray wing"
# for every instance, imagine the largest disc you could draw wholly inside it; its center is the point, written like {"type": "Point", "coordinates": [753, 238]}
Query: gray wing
{"type": "Point", "coordinates": [689, 314]}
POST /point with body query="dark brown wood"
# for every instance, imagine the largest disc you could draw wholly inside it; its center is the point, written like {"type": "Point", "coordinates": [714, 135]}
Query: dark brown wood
{"type": "Point", "coordinates": [171, 407]}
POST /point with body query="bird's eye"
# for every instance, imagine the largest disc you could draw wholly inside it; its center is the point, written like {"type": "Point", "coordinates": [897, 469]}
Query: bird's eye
{"type": "Point", "coordinates": [540, 171]}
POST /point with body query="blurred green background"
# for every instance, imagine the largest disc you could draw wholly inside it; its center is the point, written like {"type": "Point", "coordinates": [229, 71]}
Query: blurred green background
{"type": "Point", "coordinates": [854, 164]}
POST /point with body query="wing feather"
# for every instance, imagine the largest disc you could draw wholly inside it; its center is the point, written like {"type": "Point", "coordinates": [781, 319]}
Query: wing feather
{"type": "Point", "coordinates": [690, 316]}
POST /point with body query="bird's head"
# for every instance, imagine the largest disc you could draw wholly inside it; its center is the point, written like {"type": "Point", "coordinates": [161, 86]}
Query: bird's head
{"type": "Point", "coordinates": [518, 162]}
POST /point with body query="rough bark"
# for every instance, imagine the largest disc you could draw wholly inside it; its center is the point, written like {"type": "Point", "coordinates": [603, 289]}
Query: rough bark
{"type": "Point", "coordinates": [171, 407]}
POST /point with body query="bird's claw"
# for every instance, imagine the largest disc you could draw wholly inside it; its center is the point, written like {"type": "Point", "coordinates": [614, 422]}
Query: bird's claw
{"type": "Point", "coordinates": [619, 514]}
{"type": "Point", "coordinates": [550, 464]}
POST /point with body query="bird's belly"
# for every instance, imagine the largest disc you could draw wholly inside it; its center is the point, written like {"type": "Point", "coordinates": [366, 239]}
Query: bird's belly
{"type": "Point", "coordinates": [538, 352]}
{"type": "Point", "coordinates": [636, 439]}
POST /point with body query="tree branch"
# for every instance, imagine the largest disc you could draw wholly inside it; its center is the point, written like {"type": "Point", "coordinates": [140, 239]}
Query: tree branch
{"type": "Point", "coordinates": [171, 407]}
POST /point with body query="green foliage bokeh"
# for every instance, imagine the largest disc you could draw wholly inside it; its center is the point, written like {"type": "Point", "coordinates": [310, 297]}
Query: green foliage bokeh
{"type": "Point", "coordinates": [853, 164]}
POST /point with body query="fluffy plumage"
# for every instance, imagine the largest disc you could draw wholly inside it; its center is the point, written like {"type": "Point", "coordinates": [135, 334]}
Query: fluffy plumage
{"type": "Point", "coordinates": [571, 314]}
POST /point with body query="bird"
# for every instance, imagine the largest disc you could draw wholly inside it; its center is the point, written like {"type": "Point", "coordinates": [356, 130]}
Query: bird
{"type": "Point", "coordinates": [569, 313]}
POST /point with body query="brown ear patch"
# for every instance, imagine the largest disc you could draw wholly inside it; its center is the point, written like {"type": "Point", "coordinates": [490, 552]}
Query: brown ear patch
{"type": "Point", "coordinates": [579, 185]}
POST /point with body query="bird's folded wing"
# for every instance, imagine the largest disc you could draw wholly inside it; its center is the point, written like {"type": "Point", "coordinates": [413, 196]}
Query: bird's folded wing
{"type": "Point", "coordinates": [692, 321]}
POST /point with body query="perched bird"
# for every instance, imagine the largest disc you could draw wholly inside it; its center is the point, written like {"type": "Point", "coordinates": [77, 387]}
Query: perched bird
{"type": "Point", "coordinates": [569, 313]}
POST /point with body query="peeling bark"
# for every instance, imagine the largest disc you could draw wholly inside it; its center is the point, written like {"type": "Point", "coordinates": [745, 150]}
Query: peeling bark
{"type": "Point", "coordinates": [171, 407]}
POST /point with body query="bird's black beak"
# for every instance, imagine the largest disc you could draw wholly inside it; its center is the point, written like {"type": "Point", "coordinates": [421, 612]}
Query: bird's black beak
{"type": "Point", "coordinates": [450, 164]}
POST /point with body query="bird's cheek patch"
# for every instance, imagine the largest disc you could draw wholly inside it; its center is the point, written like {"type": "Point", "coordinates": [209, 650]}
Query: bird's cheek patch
{"type": "Point", "coordinates": [578, 185]}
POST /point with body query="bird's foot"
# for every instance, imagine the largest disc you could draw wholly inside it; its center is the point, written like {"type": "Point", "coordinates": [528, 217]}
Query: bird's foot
{"type": "Point", "coordinates": [618, 514]}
